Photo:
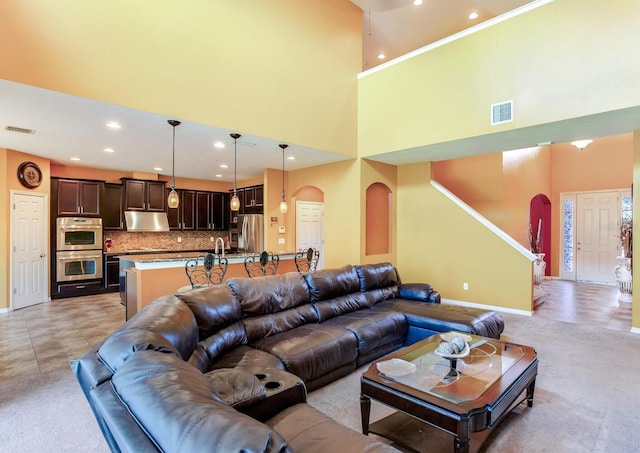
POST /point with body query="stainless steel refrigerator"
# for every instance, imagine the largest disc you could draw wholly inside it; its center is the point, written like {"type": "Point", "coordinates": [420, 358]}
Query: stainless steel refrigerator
{"type": "Point", "coordinates": [252, 233]}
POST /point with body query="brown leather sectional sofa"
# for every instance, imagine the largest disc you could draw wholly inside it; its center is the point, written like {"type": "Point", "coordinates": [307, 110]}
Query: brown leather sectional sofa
{"type": "Point", "coordinates": [228, 367]}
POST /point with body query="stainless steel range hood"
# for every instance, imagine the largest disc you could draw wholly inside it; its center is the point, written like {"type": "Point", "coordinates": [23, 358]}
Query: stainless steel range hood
{"type": "Point", "coordinates": [146, 221]}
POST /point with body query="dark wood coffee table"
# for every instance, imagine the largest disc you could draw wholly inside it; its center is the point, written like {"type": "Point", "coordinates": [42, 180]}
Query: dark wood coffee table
{"type": "Point", "coordinates": [466, 397]}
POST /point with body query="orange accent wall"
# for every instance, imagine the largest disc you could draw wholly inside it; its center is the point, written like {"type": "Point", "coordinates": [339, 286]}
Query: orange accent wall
{"type": "Point", "coordinates": [378, 220]}
{"type": "Point", "coordinates": [500, 186]}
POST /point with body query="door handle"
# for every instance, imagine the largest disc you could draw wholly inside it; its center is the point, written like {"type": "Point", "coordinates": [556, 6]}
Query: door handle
{"type": "Point", "coordinates": [42, 255]}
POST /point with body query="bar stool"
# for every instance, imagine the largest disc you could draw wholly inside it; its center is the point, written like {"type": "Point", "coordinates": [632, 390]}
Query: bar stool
{"type": "Point", "coordinates": [265, 263]}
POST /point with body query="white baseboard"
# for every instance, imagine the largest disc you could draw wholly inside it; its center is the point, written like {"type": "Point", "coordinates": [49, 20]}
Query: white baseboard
{"type": "Point", "coordinates": [462, 303]}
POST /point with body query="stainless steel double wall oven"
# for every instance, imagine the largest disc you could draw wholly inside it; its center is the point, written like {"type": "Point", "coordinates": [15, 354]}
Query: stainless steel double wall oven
{"type": "Point", "coordinates": [78, 248]}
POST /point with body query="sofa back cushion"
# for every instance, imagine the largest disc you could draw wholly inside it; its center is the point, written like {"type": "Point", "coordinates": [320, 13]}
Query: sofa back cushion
{"type": "Point", "coordinates": [330, 308]}
{"type": "Point", "coordinates": [375, 276]}
{"type": "Point", "coordinates": [273, 304]}
{"type": "Point", "coordinates": [330, 283]}
{"type": "Point", "coordinates": [215, 308]}
{"type": "Point", "coordinates": [166, 325]}
{"type": "Point", "coordinates": [180, 411]}
{"type": "Point", "coordinates": [269, 294]}
{"type": "Point", "coordinates": [214, 346]}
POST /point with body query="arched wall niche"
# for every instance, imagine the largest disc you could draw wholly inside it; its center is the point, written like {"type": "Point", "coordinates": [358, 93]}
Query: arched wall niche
{"type": "Point", "coordinates": [540, 221]}
{"type": "Point", "coordinates": [378, 219]}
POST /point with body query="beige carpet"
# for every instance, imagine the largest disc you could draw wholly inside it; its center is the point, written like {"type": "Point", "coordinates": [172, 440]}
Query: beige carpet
{"type": "Point", "coordinates": [586, 399]}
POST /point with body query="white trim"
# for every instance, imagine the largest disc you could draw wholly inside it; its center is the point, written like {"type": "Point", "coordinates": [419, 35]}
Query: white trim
{"type": "Point", "coordinates": [462, 303]}
{"type": "Point", "coordinates": [635, 330]}
{"type": "Point", "coordinates": [473, 213]}
{"type": "Point", "coordinates": [469, 31]}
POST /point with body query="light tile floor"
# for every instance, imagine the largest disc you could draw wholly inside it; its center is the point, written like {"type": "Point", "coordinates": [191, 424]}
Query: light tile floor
{"type": "Point", "coordinates": [46, 336]}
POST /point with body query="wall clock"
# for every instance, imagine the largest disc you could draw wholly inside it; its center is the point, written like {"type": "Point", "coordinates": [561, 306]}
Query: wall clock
{"type": "Point", "coordinates": [29, 175]}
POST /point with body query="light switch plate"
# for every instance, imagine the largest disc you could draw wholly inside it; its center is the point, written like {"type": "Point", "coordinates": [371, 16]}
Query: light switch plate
{"type": "Point", "coordinates": [281, 229]}
{"type": "Point", "coordinates": [280, 241]}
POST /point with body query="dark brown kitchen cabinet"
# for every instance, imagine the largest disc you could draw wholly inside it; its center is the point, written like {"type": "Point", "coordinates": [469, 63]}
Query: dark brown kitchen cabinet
{"type": "Point", "coordinates": [142, 195]}
{"type": "Point", "coordinates": [77, 197]}
{"type": "Point", "coordinates": [111, 273]}
{"type": "Point", "coordinates": [184, 216]}
{"type": "Point", "coordinates": [112, 207]}
{"type": "Point", "coordinates": [203, 210]}
{"type": "Point", "coordinates": [210, 210]}
{"type": "Point", "coordinates": [254, 199]}
{"type": "Point", "coordinates": [219, 202]}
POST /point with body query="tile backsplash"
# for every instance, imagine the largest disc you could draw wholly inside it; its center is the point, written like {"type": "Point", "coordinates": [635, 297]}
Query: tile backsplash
{"type": "Point", "coordinates": [122, 241]}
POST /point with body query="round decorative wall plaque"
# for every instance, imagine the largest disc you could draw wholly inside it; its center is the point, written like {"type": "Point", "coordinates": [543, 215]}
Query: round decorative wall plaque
{"type": "Point", "coordinates": [29, 175]}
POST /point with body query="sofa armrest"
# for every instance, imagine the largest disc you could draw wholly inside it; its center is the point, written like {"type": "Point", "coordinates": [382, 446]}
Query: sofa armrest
{"type": "Point", "coordinates": [422, 292]}
{"type": "Point", "coordinates": [239, 388]}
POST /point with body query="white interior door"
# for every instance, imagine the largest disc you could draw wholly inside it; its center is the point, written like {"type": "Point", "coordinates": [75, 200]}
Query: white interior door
{"type": "Point", "coordinates": [596, 240]}
{"type": "Point", "coordinates": [309, 227]}
{"type": "Point", "coordinates": [28, 250]}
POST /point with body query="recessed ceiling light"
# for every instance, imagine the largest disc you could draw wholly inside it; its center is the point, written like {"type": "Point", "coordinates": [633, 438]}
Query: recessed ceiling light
{"type": "Point", "coordinates": [291, 157]}
{"type": "Point", "coordinates": [218, 145]}
{"type": "Point", "coordinates": [157, 168]}
{"type": "Point", "coordinates": [224, 166]}
{"type": "Point", "coordinates": [75, 158]}
{"type": "Point", "coordinates": [109, 150]}
{"type": "Point", "coordinates": [417, 2]}
{"type": "Point", "coordinates": [381, 56]}
{"type": "Point", "coordinates": [473, 15]}
{"type": "Point", "coordinates": [218, 175]}
{"type": "Point", "coordinates": [113, 125]}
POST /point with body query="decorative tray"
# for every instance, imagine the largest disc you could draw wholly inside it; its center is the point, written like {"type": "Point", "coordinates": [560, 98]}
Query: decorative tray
{"type": "Point", "coordinates": [396, 367]}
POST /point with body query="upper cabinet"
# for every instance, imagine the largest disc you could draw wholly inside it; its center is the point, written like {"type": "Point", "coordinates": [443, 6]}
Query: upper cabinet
{"type": "Point", "coordinates": [254, 199]}
{"type": "Point", "coordinates": [112, 207]}
{"type": "Point", "coordinates": [184, 216]}
{"type": "Point", "coordinates": [141, 195]}
{"type": "Point", "coordinates": [251, 202]}
{"type": "Point", "coordinates": [210, 211]}
{"type": "Point", "coordinates": [77, 197]}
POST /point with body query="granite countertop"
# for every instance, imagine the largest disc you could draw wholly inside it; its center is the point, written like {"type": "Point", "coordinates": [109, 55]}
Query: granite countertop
{"type": "Point", "coordinates": [178, 259]}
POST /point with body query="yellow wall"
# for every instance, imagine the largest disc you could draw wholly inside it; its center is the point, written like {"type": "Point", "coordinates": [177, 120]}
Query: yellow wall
{"type": "Point", "coordinates": [340, 184]}
{"type": "Point", "coordinates": [562, 60]}
{"type": "Point", "coordinates": [282, 69]}
{"type": "Point", "coordinates": [439, 243]}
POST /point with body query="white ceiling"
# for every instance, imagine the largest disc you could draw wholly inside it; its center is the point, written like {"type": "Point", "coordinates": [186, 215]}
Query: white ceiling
{"type": "Point", "coordinates": [68, 126]}
{"type": "Point", "coordinates": [396, 27]}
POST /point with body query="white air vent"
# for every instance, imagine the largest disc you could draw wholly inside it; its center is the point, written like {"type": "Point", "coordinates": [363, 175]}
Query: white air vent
{"type": "Point", "coordinates": [502, 113]}
{"type": "Point", "coordinates": [245, 143]}
{"type": "Point", "coordinates": [20, 130]}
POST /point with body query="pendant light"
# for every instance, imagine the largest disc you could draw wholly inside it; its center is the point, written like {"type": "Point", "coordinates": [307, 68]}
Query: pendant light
{"type": "Point", "coordinates": [235, 201]}
{"type": "Point", "coordinates": [283, 203]}
{"type": "Point", "coordinates": [173, 200]}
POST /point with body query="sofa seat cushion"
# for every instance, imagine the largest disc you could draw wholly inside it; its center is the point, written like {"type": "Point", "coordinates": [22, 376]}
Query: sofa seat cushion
{"type": "Point", "coordinates": [374, 330]}
{"type": "Point", "coordinates": [180, 411]}
{"type": "Point", "coordinates": [312, 350]}
{"type": "Point", "coordinates": [443, 317]}
{"type": "Point", "coordinates": [309, 430]}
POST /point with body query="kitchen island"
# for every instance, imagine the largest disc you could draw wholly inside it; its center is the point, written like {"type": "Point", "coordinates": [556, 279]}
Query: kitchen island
{"type": "Point", "coordinates": [149, 276]}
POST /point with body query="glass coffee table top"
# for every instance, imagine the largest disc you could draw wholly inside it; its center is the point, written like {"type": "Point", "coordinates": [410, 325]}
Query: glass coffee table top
{"type": "Point", "coordinates": [452, 379]}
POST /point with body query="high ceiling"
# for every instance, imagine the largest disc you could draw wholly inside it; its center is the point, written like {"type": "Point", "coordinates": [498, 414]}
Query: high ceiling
{"type": "Point", "coordinates": [396, 27]}
{"type": "Point", "coordinates": [67, 126]}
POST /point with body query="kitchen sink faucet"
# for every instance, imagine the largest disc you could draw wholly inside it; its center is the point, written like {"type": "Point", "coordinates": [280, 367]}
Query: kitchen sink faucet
{"type": "Point", "coordinates": [221, 241]}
